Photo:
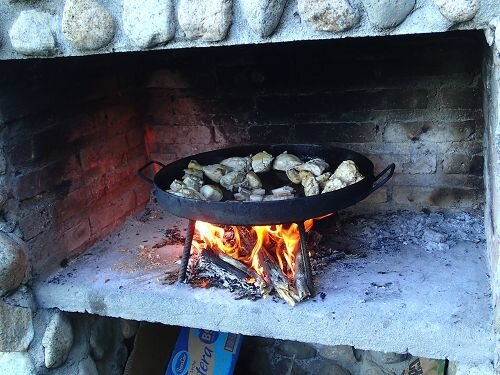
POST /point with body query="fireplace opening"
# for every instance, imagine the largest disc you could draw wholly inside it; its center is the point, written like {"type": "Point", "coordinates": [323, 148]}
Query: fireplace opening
{"type": "Point", "coordinates": [407, 262]}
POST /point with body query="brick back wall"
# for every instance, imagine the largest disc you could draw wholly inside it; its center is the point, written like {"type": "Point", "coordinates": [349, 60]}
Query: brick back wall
{"type": "Point", "coordinates": [415, 101]}
{"type": "Point", "coordinates": [73, 142]}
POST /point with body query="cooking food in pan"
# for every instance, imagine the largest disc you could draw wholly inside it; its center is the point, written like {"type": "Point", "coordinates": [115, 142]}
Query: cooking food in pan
{"type": "Point", "coordinates": [240, 177]}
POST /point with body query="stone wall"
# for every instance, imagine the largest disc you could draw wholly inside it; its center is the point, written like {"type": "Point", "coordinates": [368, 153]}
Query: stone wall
{"type": "Point", "coordinates": [492, 168]}
{"type": "Point", "coordinates": [47, 28]}
{"type": "Point", "coordinates": [72, 144]}
{"type": "Point", "coordinates": [262, 356]}
{"type": "Point", "coordinates": [38, 342]}
{"type": "Point", "coordinates": [410, 100]}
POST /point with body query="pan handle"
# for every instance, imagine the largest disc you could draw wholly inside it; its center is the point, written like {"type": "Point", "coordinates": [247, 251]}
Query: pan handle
{"type": "Point", "coordinates": [390, 168]}
{"type": "Point", "coordinates": [141, 170]}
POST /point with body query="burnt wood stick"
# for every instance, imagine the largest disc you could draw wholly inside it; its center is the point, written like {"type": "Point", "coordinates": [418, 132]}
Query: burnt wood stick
{"type": "Point", "coordinates": [301, 278]}
{"type": "Point", "coordinates": [236, 263]}
{"type": "Point", "coordinates": [226, 266]}
{"type": "Point", "coordinates": [219, 273]}
{"type": "Point", "coordinates": [276, 278]}
{"type": "Point", "coordinates": [186, 251]}
{"type": "Point", "coordinates": [305, 258]}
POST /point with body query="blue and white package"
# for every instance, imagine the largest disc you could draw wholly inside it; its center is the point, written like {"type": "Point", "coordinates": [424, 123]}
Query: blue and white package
{"type": "Point", "coordinates": [203, 352]}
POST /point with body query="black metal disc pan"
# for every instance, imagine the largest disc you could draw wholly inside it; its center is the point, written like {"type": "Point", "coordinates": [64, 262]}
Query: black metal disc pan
{"type": "Point", "coordinates": [268, 212]}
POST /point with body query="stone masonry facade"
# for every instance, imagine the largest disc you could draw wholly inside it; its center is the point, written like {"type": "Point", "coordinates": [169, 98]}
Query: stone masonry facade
{"type": "Point", "coordinates": [74, 132]}
{"type": "Point", "coordinates": [47, 28]}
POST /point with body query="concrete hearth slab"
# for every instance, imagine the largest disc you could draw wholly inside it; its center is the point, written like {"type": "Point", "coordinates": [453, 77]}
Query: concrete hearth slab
{"type": "Point", "coordinates": [430, 300]}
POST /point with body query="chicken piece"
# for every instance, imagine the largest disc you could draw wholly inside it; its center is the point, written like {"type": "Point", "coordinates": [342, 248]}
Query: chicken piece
{"type": "Point", "coordinates": [322, 179]}
{"type": "Point", "coordinates": [214, 172]}
{"type": "Point", "coordinates": [193, 172]}
{"type": "Point", "coordinates": [348, 172]}
{"type": "Point", "coordinates": [192, 181]}
{"type": "Point", "coordinates": [286, 161]}
{"type": "Point", "coordinates": [244, 191]}
{"type": "Point", "coordinates": [294, 176]}
{"type": "Point", "coordinates": [315, 166]}
{"type": "Point", "coordinates": [241, 197]}
{"type": "Point", "coordinates": [333, 184]}
{"type": "Point", "coordinates": [176, 185]}
{"type": "Point", "coordinates": [262, 162]}
{"type": "Point", "coordinates": [253, 180]}
{"type": "Point", "coordinates": [238, 163]}
{"type": "Point", "coordinates": [311, 186]}
{"type": "Point", "coordinates": [211, 192]}
{"type": "Point", "coordinates": [233, 180]}
{"type": "Point", "coordinates": [259, 191]}
{"type": "Point", "coordinates": [278, 197]}
{"type": "Point", "coordinates": [256, 198]}
{"type": "Point", "coordinates": [284, 190]}
{"type": "Point", "coordinates": [194, 165]}
{"type": "Point", "coordinates": [187, 192]}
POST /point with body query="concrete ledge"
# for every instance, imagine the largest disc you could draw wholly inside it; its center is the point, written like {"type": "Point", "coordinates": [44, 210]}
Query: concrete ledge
{"type": "Point", "coordinates": [430, 303]}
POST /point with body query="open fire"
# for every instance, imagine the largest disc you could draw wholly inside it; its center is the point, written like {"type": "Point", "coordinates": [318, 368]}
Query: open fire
{"type": "Point", "coordinates": [253, 261]}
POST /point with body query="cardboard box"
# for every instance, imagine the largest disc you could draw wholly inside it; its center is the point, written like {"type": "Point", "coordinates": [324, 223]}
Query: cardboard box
{"type": "Point", "coordinates": [203, 352]}
{"type": "Point", "coordinates": [424, 366]}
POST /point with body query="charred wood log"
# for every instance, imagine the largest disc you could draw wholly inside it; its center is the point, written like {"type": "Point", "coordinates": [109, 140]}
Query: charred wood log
{"type": "Point", "coordinates": [259, 281]}
{"type": "Point", "coordinates": [305, 259]}
{"type": "Point", "coordinates": [277, 279]}
{"type": "Point", "coordinates": [210, 270]}
{"type": "Point", "coordinates": [301, 285]}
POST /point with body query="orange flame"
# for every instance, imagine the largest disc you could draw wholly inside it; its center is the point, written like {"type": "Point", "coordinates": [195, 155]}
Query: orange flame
{"type": "Point", "coordinates": [282, 242]}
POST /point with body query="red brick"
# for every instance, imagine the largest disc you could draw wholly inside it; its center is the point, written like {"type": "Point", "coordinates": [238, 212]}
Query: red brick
{"type": "Point", "coordinates": [335, 132]}
{"type": "Point", "coordinates": [107, 156]}
{"type": "Point", "coordinates": [135, 137]}
{"type": "Point", "coordinates": [96, 189]}
{"type": "Point", "coordinates": [113, 212]}
{"type": "Point", "coordinates": [143, 195]}
{"type": "Point", "coordinates": [436, 196]}
{"type": "Point", "coordinates": [175, 134]}
{"type": "Point", "coordinates": [50, 177]}
{"type": "Point", "coordinates": [377, 197]}
{"type": "Point", "coordinates": [72, 204]}
{"type": "Point", "coordinates": [423, 163]}
{"type": "Point", "coordinates": [463, 164]}
{"type": "Point", "coordinates": [117, 177]}
{"type": "Point", "coordinates": [77, 236]}
{"type": "Point", "coordinates": [461, 97]}
{"type": "Point", "coordinates": [101, 217]}
{"type": "Point", "coordinates": [124, 205]}
{"type": "Point", "coordinates": [89, 158]}
{"type": "Point", "coordinates": [167, 79]}
{"type": "Point", "coordinates": [430, 132]}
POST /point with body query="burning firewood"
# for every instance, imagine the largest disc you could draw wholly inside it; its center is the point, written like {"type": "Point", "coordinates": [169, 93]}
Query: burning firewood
{"type": "Point", "coordinates": [277, 279]}
{"type": "Point", "coordinates": [259, 281]}
{"type": "Point", "coordinates": [270, 258]}
{"type": "Point", "coordinates": [301, 278]}
{"type": "Point", "coordinates": [206, 269]}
